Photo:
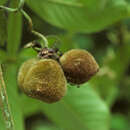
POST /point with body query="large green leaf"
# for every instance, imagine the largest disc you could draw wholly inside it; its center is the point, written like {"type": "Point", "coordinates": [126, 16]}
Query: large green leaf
{"type": "Point", "coordinates": [78, 16]}
{"type": "Point", "coordinates": [94, 4]}
{"type": "Point", "coordinates": [81, 109]}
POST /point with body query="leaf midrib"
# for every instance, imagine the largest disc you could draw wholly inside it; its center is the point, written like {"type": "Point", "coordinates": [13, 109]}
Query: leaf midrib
{"type": "Point", "coordinates": [65, 3]}
{"type": "Point", "coordinates": [75, 113]}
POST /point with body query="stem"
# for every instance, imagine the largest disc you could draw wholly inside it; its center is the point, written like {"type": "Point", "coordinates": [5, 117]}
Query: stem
{"type": "Point", "coordinates": [42, 37]}
{"type": "Point", "coordinates": [4, 105]}
{"type": "Point", "coordinates": [21, 4]}
{"type": "Point", "coordinates": [28, 18]}
{"type": "Point", "coordinates": [29, 21]}
{"type": "Point", "coordinates": [34, 32]}
{"type": "Point", "coordinates": [8, 9]}
{"type": "Point", "coordinates": [33, 45]}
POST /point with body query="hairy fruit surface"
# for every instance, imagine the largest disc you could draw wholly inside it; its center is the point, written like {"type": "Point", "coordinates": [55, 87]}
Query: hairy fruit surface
{"type": "Point", "coordinates": [42, 79]}
{"type": "Point", "coordinates": [78, 65]}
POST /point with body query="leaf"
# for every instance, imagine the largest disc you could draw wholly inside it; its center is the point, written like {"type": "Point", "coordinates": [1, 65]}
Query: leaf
{"type": "Point", "coordinates": [27, 53]}
{"type": "Point", "coordinates": [106, 87]}
{"type": "Point", "coordinates": [3, 28]}
{"type": "Point", "coordinates": [97, 4]}
{"type": "Point", "coordinates": [81, 109]}
{"type": "Point", "coordinates": [119, 122]}
{"type": "Point", "coordinates": [42, 125]}
{"type": "Point", "coordinates": [14, 31]}
{"type": "Point", "coordinates": [78, 17]}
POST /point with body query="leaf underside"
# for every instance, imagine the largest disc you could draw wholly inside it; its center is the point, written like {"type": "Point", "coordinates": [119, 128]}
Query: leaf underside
{"type": "Point", "coordinates": [75, 17]}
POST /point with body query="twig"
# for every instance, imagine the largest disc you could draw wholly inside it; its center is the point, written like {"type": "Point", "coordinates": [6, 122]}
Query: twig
{"type": "Point", "coordinates": [4, 105]}
{"type": "Point", "coordinates": [31, 29]}
{"type": "Point", "coordinates": [20, 9]}
{"type": "Point", "coordinates": [21, 4]}
{"type": "Point", "coordinates": [8, 9]}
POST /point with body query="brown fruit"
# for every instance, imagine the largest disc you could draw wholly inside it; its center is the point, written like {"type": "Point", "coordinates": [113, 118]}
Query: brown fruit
{"type": "Point", "coordinates": [42, 79]}
{"type": "Point", "coordinates": [78, 65]}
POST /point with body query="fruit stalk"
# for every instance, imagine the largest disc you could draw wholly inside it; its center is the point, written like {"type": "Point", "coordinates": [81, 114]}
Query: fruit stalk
{"type": "Point", "coordinates": [4, 105]}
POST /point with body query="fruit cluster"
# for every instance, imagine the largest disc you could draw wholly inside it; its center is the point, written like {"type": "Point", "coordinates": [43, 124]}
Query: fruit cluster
{"type": "Point", "coordinates": [45, 77]}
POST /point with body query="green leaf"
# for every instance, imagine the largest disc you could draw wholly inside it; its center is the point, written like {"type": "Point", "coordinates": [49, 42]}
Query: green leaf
{"type": "Point", "coordinates": [41, 125]}
{"type": "Point", "coordinates": [81, 109]}
{"type": "Point", "coordinates": [27, 53]}
{"type": "Point", "coordinates": [14, 31]}
{"type": "Point", "coordinates": [3, 27]}
{"type": "Point", "coordinates": [79, 17]}
{"type": "Point", "coordinates": [106, 86]}
{"type": "Point", "coordinates": [94, 4]}
{"type": "Point", "coordinates": [119, 122]}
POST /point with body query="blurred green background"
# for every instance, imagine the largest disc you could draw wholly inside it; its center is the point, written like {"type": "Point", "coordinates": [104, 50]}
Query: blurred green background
{"type": "Point", "coordinates": [100, 26]}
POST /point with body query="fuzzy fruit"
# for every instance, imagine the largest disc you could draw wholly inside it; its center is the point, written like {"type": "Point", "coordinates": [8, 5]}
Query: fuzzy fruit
{"type": "Point", "coordinates": [42, 79]}
{"type": "Point", "coordinates": [78, 65]}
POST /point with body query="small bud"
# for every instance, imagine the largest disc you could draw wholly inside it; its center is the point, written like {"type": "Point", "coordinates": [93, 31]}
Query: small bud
{"type": "Point", "coordinates": [42, 79]}
{"type": "Point", "coordinates": [78, 65]}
